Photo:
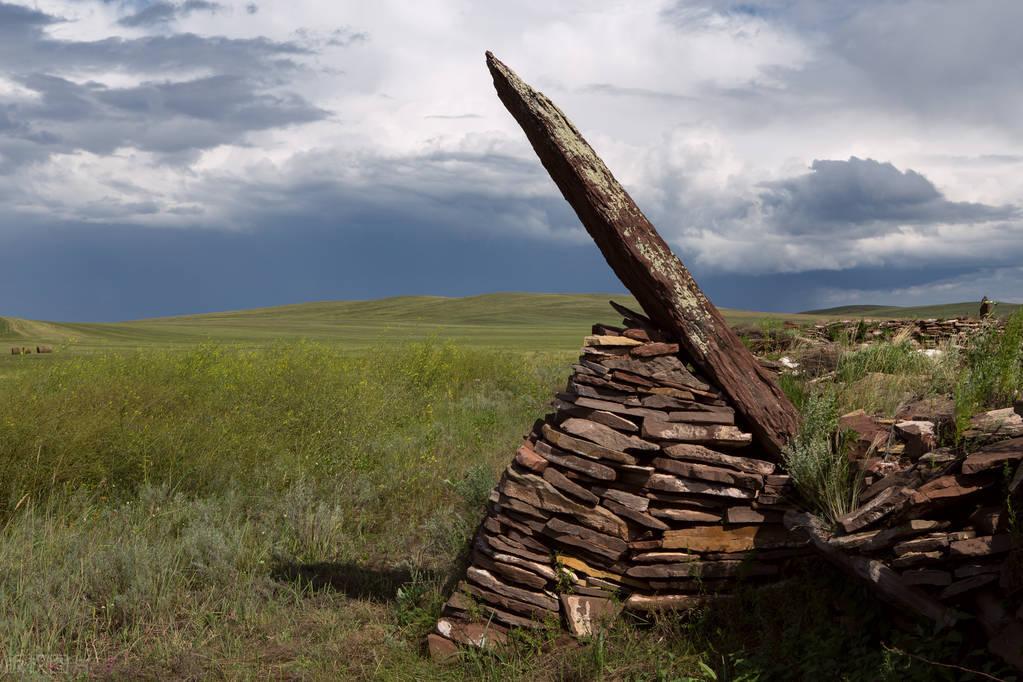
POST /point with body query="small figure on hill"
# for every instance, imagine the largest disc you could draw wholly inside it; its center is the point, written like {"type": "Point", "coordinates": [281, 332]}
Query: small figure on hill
{"type": "Point", "coordinates": [986, 308]}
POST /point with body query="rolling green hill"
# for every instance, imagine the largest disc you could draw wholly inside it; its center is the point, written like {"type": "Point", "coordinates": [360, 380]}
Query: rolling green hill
{"type": "Point", "coordinates": [944, 310]}
{"type": "Point", "coordinates": [541, 322]}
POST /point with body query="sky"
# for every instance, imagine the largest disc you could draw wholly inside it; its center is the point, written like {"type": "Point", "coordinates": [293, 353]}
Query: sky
{"type": "Point", "coordinates": [178, 156]}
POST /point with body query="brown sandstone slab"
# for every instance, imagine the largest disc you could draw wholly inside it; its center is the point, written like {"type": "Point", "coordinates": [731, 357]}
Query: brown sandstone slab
{"type": "Point", "coordinates": [949, 487]}
{"type": "Point", "coordinates": [509, 572]}
{"type": "Point", "coordinates": [488, 581]}
{"type": "Point", "coordinates": [746, 515]}
{"type": "Point", "coordinates": [608, 406]}
{"type": "Point", "coordinates": [637, 517]}
{"type": "Point", "coordinates": [994, 456]}
{"type": "Point", "coordinates": [629, 500]}
{"type": "Point", "coordinates": [737, 539]}
{"type": "Point", "coordinates": [578, 536]}
{"type": "Point", "coordinates": [664, 369]}
{"type": "Point", "coordinates": [886, 503]}
{"type": "Point", "coordinates": [674, 484]}
{"type": "Point", "coordinates": [686, 515]}
{"type": "Point", "coordinates": [701, 569]}
{"type": "Point", "coordinates": [562, 483]}
{"type": "Point", "coordinates": [650, 350]}
{"type": "Point", "coordinates": [728, 436]}
{"type": "Point", "coordinates": [698, 453]}
{"type": "Point", "coordinates": [580, 464]}
{"type": "Point", "coordinates": [672, 602]}
{"type": "Point", "coordinates": [528, 459]}
{"type": "Point", "coordinates": [702, 417]}
{"type": "Point", "coordinates": [706, 472]}
{"type": "Point", "coordinates": [982, 546]}
{"type": "Point", "coordinates": [586, 615]}
{"type": "Point", "coordinates": [665, 557]}
{"type": "Point", "coordinates": [965, 585]}
{"type": "Point", "coordinates": [481, 635]}
{"type": "Point", "coordinates": [605, 436]}
{"type": "Point", "coordinates": [597, 340]}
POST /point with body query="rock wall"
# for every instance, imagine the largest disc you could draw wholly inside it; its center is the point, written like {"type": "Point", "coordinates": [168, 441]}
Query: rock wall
{"type": "Point", "coordinates": [644, 491]}
{"type": "Point", "coordinates": [641, 490]}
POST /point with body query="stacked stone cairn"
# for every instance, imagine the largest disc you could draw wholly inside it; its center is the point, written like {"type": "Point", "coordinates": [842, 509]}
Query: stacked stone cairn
{"type": "Point", "coordinates": [641, 490]}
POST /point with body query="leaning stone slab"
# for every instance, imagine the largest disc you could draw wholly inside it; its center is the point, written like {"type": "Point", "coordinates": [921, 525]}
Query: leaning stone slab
{"type": "Point", "coordinates": [885, 504]}
{"type": "Point", "coordinates": [949, 487]}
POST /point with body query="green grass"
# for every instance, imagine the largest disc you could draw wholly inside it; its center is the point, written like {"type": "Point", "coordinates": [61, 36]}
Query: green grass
{"type": "Point", "coordinates": [528, 322]}
{"type": "Point", "coordinates": [942, 310]}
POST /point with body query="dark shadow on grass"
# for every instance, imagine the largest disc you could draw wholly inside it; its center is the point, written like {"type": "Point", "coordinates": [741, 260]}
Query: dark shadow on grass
{"type": "Point", "coordinates": [354, 580]}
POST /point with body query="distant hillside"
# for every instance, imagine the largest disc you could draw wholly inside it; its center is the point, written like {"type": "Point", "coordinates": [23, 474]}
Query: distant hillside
{"type": "Point", "coordinates": [944, 310]}
{"type": "Point", "coordinates": [523, 321]}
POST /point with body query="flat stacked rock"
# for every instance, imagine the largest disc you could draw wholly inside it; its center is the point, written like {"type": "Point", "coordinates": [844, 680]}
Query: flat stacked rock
{"type": "Point", "coordinates": [929, 333]}
{"type": "Point", "coordinates": [642, 490]}
{"type": "Point", "coordinates": [942, 537]}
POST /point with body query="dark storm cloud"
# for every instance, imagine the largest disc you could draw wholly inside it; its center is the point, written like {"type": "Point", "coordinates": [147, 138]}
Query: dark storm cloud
{"type": "Point", "coordinates": [166, 116]}
{"type": "Point", "coordinates": [865, 196]}
{"type": "Point", "coordinates": [164, 12]}
{"type": "Point", "coordinates": [162, 117]}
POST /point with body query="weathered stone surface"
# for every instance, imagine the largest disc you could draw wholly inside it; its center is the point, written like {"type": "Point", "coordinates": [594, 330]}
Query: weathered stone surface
{"type": "Point", "coordinates": [885, 537]}
{"type": "Point", "coordinates": [506, 545]}
{"type": "Point", "coordinates": [686, 515]}
{"type": "Point", "coordinates": [916, 558]}
{"type": "Point", "coordinates": [597, 340]}
{"type": "Point", "coordinates": [746, 515]}
{"type": "Point", "coordinates": [1003, 423]}
{"type": "Point", "coordinates": [596, 576]}
{"type": "Point", "coordinates": [728, 436]}
{"type": "Point", "coordinates": [442, 649]}
{"type": "Point", "coordinates": [698, 453]}
{"type": "Point", "coordinates": [635, 502]}
{"type": "Point", "coordinates": [672, 602]}
{"type": "Point", "coordinates": [508, 572]}
{"type": "Point", "coordinates": [650, 350]}
{"type": "Point", "coordinates": [580, 464]}
{"type": "Point", "coordinates": [526, 458]}
{"type": "Point", "coordinates": [562, 483]}
{"type": "Point", "coordinates": [982, 546]}
{"type": "Point", "coordinates": [706, 472]}
{"type": "Point", "coordinates": [889, 501]}
{"type": "Point", "coordinates": [869, 434]}
{"type": "Point", "coordinates": [674, 484]}
{"type": "Point", "coordinates": [664, 369]}
{"type": "Point", "coordinates": [948, 487]}
{"type": "Point", "coordinates": [506, 605]}
{"type": "Point", "coordinates": [994, 456]}
{"type": "Point", "coordinates": [605, 436]}
{"type": "Point", "coordinates": [488, 581]}
{"type": "Point", "coordinates": [909, 478]}
{"type": "Point", "coordinates": [665, 557]}
{"type": "Point", "coordinates": [637, 517]}
{"type": "Point", "coordinates": [606, 418]}
{"type": "Point", "coordinates": [482, 635]}
{"type": "Point", "coordinates": [585, 616]}
{"type": "Point", "coordinates": [701, 569]}
{"type": "Point", "coordinates": [667, 402]}
{"type": "Point", "coordinates": [738, 539]}
{"type": "Point", "coordinates": [607, 406]}
{"type": "Point", "coordinates": [585, 447]}
{"type": "Point", "coordinates": [701, 417]}
{"type": "Point", "coordinates": [577, 536]}
{"type": "Point", "coordinates": [918, 435]}
{"type": "Point", "coordinates": [931, 542]}
{"type": "Point", "coordinates": [968, 570]}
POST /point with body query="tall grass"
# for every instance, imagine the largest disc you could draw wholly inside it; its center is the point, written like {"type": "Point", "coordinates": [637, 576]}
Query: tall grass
{"type": "Point", "coordinates": [816, 460]}
{"type": "Point", "coordinates": [991, 374]}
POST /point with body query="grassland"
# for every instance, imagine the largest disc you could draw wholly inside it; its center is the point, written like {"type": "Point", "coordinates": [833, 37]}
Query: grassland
{"type": "Point", "coordinates": [943, 310]}
{"type": "Point", "coordinates": [210, 497]}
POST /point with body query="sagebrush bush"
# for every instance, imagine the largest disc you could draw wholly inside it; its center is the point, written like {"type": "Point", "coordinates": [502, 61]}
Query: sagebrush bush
{"type": "Point", "coordinates": [991, 374]}
{"type": "Point", "coordinates": [816, 459]}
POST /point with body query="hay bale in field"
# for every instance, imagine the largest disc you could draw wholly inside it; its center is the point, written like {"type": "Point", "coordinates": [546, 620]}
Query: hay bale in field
{"type": "Point", "coordinates": [44, 349]}
{"type": "Point", "coordinates": [15, 351]}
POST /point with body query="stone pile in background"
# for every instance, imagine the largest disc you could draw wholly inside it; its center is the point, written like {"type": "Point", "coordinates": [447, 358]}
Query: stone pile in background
{"type": "Point", "coordinates": [928, 333]}
{"type": "Point", "coordinates": [642, 490]}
